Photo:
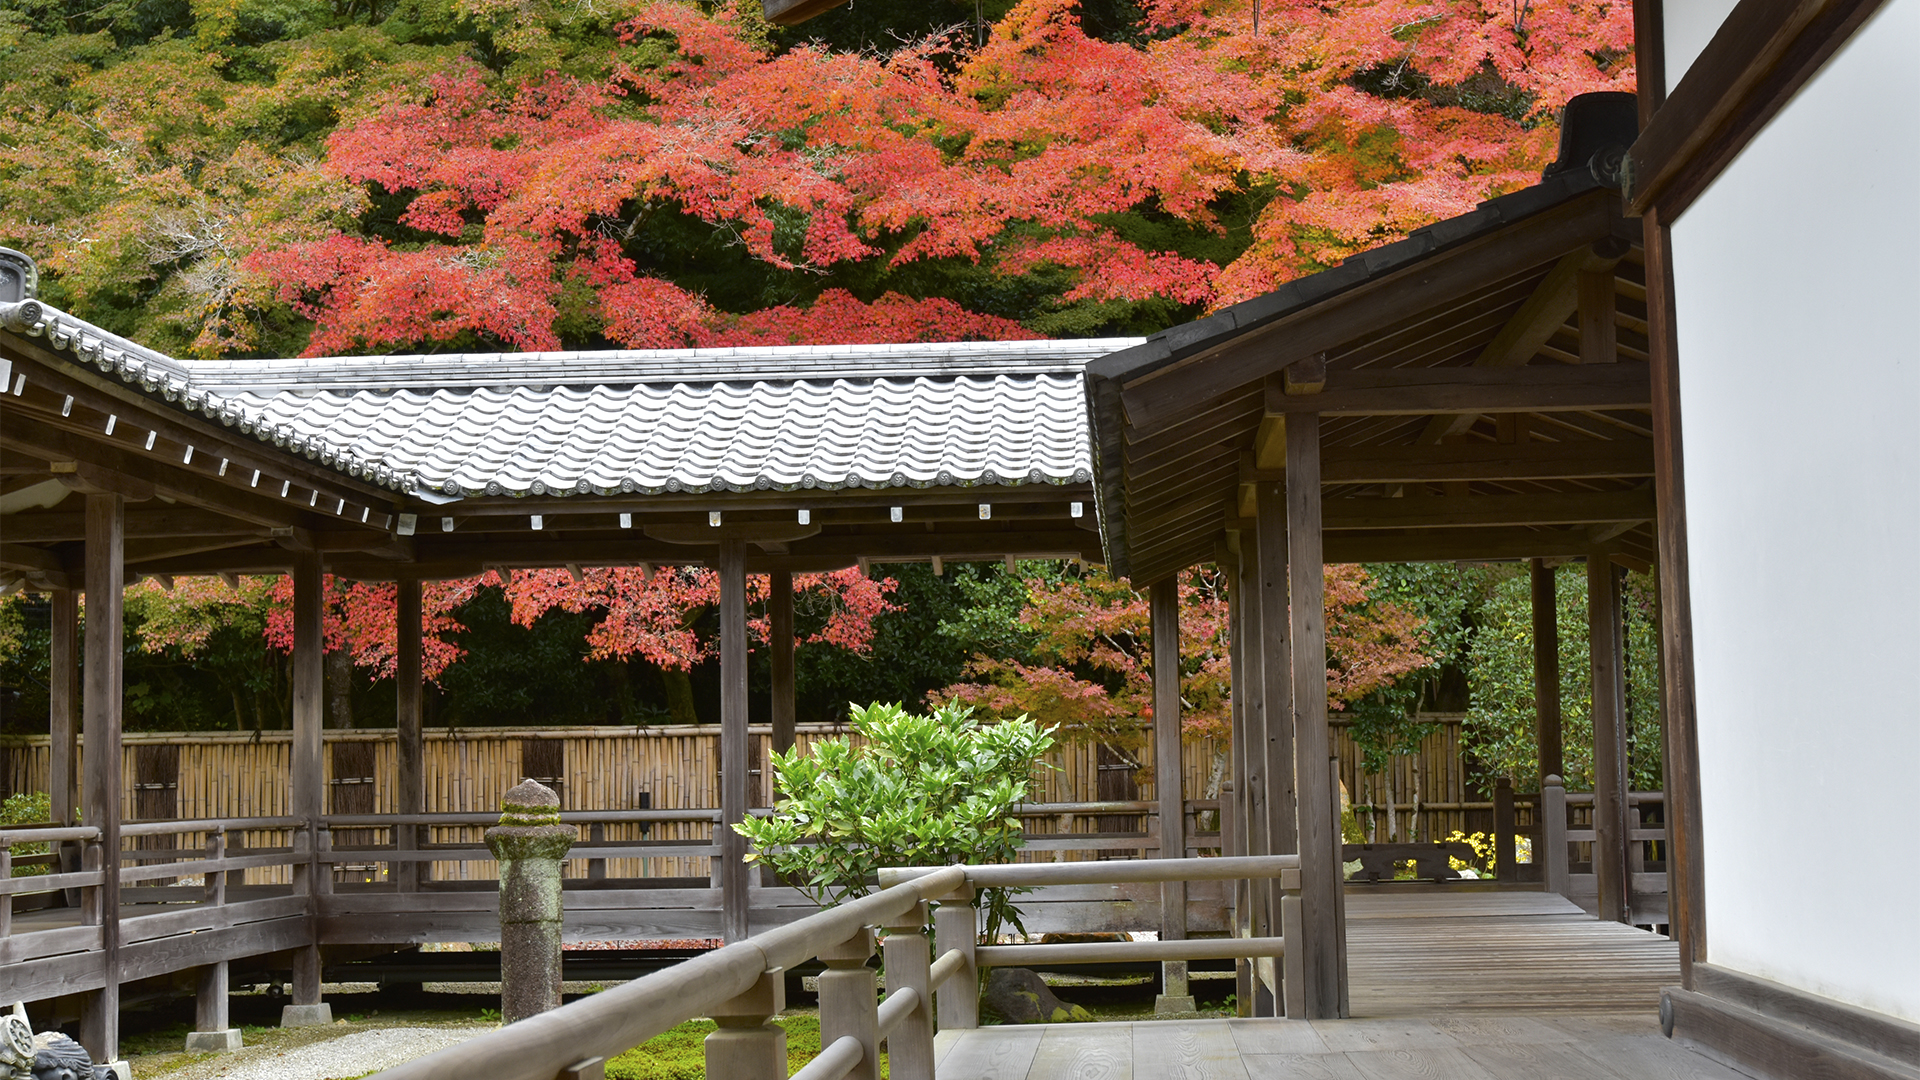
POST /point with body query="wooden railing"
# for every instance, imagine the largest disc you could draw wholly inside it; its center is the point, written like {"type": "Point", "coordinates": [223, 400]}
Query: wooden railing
{"type": "Point", "coordinates": [742, 986]}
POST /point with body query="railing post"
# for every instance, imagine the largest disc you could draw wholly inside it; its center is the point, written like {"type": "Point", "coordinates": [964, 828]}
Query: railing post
{"type": "Point", "coordinates": [216, 880]}
{"type": "Point", "coordinates": [1293, 979]}
{"type": "Point", "coordinates": [92, 897]}
{"type": "Point", "coordinates": [597, 868]}
{"type": "Point", "coordinates": [956, 925]}
{"type": "Point", "coordinates": [6, 901]}
{"type": "Point", "coordinates": [748, 1044]}
{"type": "Point", "coordinates": [910, 1046]}
{"type": "Point", "coordinates": [847, 1002]}
{"type": "Point", "coordinates": [1636, 848]}
{"type": "Point", "coordinates": [1503, 867]}
{"type": "Point", "coordinates": [1553, 833]}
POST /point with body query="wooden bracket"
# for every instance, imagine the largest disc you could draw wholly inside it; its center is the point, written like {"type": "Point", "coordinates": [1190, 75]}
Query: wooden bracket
{"type": "Point", "coordinates": [91, 479]}
{"type": "Point", "coordinates": [1307, 376]}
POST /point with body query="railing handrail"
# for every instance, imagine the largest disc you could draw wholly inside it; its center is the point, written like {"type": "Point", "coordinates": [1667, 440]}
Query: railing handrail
{"type": "Point", "coordinates": [1019, 875]}
{"type": "Point", "coordinates": [569, 817]}
{"type": "Point", "coordinates": [613, 1021]}
{"type": "Point", "coordinates": [32, 834]}
{"type": "Point", "coordinates": [194, 825]}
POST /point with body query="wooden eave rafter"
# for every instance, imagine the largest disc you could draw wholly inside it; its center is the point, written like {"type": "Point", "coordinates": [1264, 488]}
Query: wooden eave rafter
{"type": "Point", "coordinates": [1542, 455]}
{"type": "Point", "coordinates": [1762, 54]}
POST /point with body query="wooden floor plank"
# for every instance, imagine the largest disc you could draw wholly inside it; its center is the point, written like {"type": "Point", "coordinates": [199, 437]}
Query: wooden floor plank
{"type": "Point", "coordinates": [1186, 1050]}
{"type": "Point", "coordinates": [1277, 1037]}
{"type": "Point", "coordinates": [997, 1053]}
{"type": "Point", "coordinates": [1442, 1063]}
{"type": "Point", "coordinates": [1300, 1067]}
{"type": "Point", "coordinates": [1370, 1035]}
{"type": "Point", "coordinates": [1084, 1052]}
{"type": "Point", "coordinates": [1539, 1061]}
{"type": "Point", "coordinates": [1651, 1057]}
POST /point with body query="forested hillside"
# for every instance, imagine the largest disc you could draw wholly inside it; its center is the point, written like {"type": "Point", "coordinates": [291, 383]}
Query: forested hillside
{"type": "Point", "coordinates": [251, 177]}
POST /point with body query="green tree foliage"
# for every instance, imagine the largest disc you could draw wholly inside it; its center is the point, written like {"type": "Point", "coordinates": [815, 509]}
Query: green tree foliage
{"type": "Point", "coordinates": [924, 790]}
{"type": "Point", "coordinates": [1499, 729]}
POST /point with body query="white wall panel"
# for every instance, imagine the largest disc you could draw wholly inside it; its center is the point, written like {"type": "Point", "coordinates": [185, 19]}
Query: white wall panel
{"type": "Point", "coordinates": [1798, 292]}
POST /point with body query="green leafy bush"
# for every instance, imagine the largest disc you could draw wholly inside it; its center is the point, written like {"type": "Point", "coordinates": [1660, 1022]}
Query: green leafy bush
{"type": "Point", "coordinates": [923, 790]}
{"type": "Point", "coordinates": [27, 808]}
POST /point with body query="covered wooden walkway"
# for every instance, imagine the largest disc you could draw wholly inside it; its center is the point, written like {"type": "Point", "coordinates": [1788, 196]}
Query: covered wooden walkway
{"type": "Point", "coordinates": [1455, 984]}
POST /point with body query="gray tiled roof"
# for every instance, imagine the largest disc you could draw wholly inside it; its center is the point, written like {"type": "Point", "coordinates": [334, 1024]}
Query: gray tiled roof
{"type": "Point", "coordinates": [779, 418]}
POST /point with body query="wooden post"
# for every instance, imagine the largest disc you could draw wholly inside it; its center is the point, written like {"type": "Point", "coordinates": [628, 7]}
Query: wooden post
{"type": "Point", "coordinates": [910, 1046]}
{"type": "Point", "coordinates": [63, 711]}
{"type": "Point", "coordinates": [63, 727]}
{"type": "Point", "coordinates": [847, 1002]}
{"type": "Point", "coordinates": [748, 1045]}
{"type": "Point", "coordinates": [1553, 834]}
{"type": "Point", "coordinates": [1165, 609]}
{"type": "Point", "coordinates": [105, 582]}
{"type": "Point", "coordinates": [1609, 739]}
{"type": "Point", "coordinates": [733, 739]}
{"type": "Point", "coordinates": [780, 641]}
{"type": "Point", "coordinates": [410, 775]}
{"type": "Point", "coordinates": [308, 783]}
{"type": "Point", "coordinates": [212, 1030]}
{"type": "Point", "coordinates": [1322, 890]}
{"type": "Point", "coordinates": [1503, 825]}
{"type": "Point", "coordinates": [956, 925]}
{"type": "Point", "coordinates": [1686, 870]}
{"type": "Point", "coordinates": [1252, 774]}
{"type": "Point", "coordinates": [1546, 672]}
{"type": "Point", "coordinates": [1233, 810]}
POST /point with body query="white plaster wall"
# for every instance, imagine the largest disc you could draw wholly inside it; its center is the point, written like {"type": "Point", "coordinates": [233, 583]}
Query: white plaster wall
{"type": "Point", "coordinates": [1798, 292]}
{"type": "Point", "coordinates": [1689, 25]}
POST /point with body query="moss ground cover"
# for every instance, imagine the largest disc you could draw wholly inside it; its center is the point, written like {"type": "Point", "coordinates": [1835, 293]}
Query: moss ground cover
{"type": "Point", "coordinates": [679, 1054]}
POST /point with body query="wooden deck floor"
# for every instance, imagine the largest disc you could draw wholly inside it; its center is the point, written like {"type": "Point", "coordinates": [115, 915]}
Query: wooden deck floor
{"type": "Point", "coordinates": [1444, 986]}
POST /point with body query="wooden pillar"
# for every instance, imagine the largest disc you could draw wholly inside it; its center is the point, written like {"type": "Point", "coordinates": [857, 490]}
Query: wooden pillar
{"type": "Point", "coordinates": [63, 716]}
{"type": "Point", "coordinates": [1686, 871]}
{"type": "Point", "coordinates": [1546, 674]}
{"type": "Point", "coordinates": [100, 803]}
{"type": "Point", "coordinates": [733, 738]}
{"type": "Point", "coordinates": [1609, 739]}
{"type": "Point", "coordinates": [1275, 748]}
{"type": "Point", "coordinates": [780, 633]}
{"type": "Point", "coordinates": [410, 776]}
{"type": "Point", "coordinates": [1233, 794]}
{"type": "Point", "coordinates": [1164, 597]}
{"type": "Point", "coordinates": [309, 780]}
{"type": "Point", "coordinates": [1322, 891]}
{"type": "Point", "coordinates": [1251, 773]}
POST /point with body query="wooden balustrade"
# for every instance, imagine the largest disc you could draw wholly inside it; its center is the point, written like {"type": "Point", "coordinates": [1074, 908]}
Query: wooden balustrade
{"type": "Point", "coordinates": [742, 985]}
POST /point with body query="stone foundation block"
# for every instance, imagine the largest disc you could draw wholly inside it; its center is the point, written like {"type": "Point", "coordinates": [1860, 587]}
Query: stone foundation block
{"type": "Point", "coordinates": [306, 1015]}
{"type": "Point", "coordinates": [214, 1042]}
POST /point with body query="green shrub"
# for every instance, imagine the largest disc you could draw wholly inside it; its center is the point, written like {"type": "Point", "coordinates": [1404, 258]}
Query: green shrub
{"type": "Point", "coordinates": [27, 808]}
{"type": "Point", "coordinates": [925, 790]}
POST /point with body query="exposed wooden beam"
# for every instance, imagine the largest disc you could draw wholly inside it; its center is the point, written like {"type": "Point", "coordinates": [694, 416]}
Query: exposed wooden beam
{"type": "Point", "coordinates": [1472, 391]}
{"type": "Point", "coordinates": [32, 436]}
{"type": "Point", "coordinates": [1448, 545]}
{"type": "Point", "coordinates": [1153, 398]}
{"type": "Point", "coordinates": [23, 557]}
{"type": "Point", "coordinates": [44, 528]}
{"type": "Point", "coordinates": [773, 503]}
{"type": "Point", "coordinates": [1485, 461]}
{"type": "Point", "coordinates": [1578, 508]}
{"type": "Point", "coordinates": [1539, 318]}
{"type": "Point", "coordinates": [1762, 54]}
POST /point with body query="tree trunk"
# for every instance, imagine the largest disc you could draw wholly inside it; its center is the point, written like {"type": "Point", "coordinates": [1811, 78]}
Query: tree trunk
{"type": "Point", "coordinates": [679, 696]}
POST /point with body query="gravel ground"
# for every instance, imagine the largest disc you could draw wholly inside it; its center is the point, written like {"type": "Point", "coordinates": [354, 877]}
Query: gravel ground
{"type": "Point", "coordinates": [349, 1055]}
